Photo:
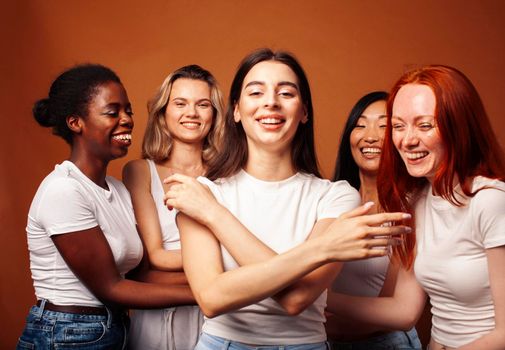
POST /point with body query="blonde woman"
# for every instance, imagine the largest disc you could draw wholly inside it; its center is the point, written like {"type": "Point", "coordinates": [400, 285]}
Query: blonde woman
{"type": "Point", "coordinates": [183, 130]}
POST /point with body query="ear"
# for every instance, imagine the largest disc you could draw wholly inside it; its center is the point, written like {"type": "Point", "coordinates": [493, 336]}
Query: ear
{"type": "Point", "coordinates": [236, 113]}
{"type": "Point", "coordinates": [305, 117]}
{"type": "Point", "coordinates": [74, 123]}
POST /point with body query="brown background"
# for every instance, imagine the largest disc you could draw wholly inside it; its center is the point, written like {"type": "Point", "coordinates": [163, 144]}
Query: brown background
{"type": "Point", "coordinates": [347, 49]}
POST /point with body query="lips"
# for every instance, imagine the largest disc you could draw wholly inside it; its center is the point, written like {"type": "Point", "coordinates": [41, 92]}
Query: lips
{"type": "Point", "coordinates": [271, 120]}
{"type": "Point", "coordinates": [191, 124]}
{"type": "Point", "coordinates": [370, 150]}
{"type": "Point", "coordinates": [123, 138]}
{"type": "Point", "coordinates": [415, 155]}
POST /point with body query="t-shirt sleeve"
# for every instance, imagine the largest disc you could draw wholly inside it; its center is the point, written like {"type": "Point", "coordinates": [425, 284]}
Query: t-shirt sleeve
{"type": "Point", "coordinates": [63, 208]}
{"type": "Point", "coordinates": [340, 198]}
{"type": "Point", "coordinates": [490, 207]}
{"type": "Point", "coordinates": [212, 186]}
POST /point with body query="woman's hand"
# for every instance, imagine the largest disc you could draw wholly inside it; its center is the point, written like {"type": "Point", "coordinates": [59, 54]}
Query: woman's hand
{"type": "Point", "coordinates": [192, 198]}
{"type": "Point", "coordinates": [355, 235]}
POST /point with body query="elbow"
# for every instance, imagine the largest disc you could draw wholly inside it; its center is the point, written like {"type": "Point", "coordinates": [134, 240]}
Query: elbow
{"type": "Point", "coordinates": [294, 309]}
{"type": "Point", "coordinates": [407, 321]}
{"type": "Point", "coordinates": [295, 304]}
{"type": "Point", "coordinates": [210, 305]}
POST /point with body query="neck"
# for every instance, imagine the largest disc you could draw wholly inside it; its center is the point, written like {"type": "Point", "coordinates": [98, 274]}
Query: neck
{"type": "Point", "coordinates": [368, 190]}
{"type": "Point", "coordinates": [93, 167]}
{"type": "Point", "coordinates": [186, 158]}
{"type": "Point", "coordinates": [268, 165]}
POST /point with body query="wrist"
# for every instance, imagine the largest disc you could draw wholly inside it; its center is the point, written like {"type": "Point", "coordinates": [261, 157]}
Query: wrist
{"type": "Point", "coordinates": [216, 214]}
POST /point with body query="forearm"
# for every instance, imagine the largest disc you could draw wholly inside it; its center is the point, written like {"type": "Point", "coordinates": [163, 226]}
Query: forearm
{"type": "Point", "coordinates": [254, 282]}
{"type": "Point", "coordinates": [383, 312]}
{"type": "Point", "coordinates": [133, 294]}
{"type": "Point", "coordinates": [165, 260]}
{"type": "Point", "coordinates": [347, 329]}
{"type": "Point", "coordinates": [247, 249]}
{"type": "Point", "coordinates": [162, 277]}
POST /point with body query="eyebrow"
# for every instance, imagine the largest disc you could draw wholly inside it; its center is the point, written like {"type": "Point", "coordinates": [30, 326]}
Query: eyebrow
{"type": "Point", "coordinates": [185, 99]}
{"type": "Point", "coordinates": [382, 116]}
{"type": "Point", "coordinates": [116, 105]}
{"type": "Point", "coordinates": [281, 83]}
{"type": "Point", "coordinates": [416, 118]}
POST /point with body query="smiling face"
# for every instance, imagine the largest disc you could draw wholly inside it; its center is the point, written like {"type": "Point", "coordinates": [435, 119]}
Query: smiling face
{"type": "Point", "coordinates": [367, 137]}
{"type": "Point", "coordinates": [415, 132]}
{"type": "Point", "coordinates": [189, 112]}
{"type": "Point", "coordinates": [270, 106]}
{"type": "Point", "coordinates": [106, 130]}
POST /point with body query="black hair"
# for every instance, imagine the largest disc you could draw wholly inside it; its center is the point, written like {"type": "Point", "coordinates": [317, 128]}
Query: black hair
{"type": "Point", "coordinates": [70, 94]}
{"type": "Point", "coordinates": [234, 157]}
{"type": "Point", "coordinates": [346, 168]}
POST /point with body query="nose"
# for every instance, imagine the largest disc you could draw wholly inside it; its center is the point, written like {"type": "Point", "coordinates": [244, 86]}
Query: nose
{"type": "Point", "coordinates": [411, 138]}
{"type": "Point", "coordinates": [192, 111]}
{"type": "Point", "coordinates": [271, 100]}
{"type": "Point", "coordinates": [371, 135]}
{"type": "Point", "coordinates": [126, 120]}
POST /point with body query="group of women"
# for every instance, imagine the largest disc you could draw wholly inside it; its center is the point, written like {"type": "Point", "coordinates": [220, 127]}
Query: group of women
{"type": "Point", "coordinates": [225, 236]}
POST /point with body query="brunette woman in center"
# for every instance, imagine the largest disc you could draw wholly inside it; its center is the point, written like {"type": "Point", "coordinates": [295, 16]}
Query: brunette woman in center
{"type": "Point", "coordinates": [358, 163]}
{"type": "Point", "coordinates": [261, 281]}
{"type": "Point", "coordinates": [184, 128]}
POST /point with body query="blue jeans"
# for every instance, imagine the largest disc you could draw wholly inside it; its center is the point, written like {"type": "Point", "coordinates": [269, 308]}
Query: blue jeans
{"type": "Point", "coordinates": [59, 330]}
{"type": "Point", "coordinates": [212, 342]}
{"type": "Point", "coordinates": [389, 341]}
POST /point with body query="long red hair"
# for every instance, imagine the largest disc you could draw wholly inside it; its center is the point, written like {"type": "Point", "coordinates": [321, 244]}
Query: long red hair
{"type": "Point", "coordinates": [471, 146]}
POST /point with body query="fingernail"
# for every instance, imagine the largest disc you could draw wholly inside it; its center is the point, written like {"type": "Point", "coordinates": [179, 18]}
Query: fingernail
{"type": "Point", "coordinates": [368, 205]}
{"type": "Point", "coordinates": [408, 229]}
{"type": "Point", "coordinates": [406, 216]}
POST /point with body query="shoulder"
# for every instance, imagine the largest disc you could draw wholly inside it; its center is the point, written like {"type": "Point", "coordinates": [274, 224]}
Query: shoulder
{"type": "Point", "coordinates": [136, 167]}
{"type": "Point", "coordinates": [135, 173]}
{"type": "Point", "coordinates": [490, 193]}
{"type": "Point", "coordinates": [60, 184]}
{"type": "Point", "coordinates": [336, 190]}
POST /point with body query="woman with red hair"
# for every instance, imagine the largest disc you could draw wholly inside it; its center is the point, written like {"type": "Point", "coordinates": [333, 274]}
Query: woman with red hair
{"type": "Point", "coordinates": [448, 170]}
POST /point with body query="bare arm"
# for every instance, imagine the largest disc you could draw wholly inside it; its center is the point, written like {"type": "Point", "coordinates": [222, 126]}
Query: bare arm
{"type": "Point", "coordinates": [494, 340]}
{"type": "Point", "coordinates": [218, 291]}
{"type": "Point", "coordinates": [401, 311]}
{"type": "Point", "coordinates": [348, 329]}
{"type": "Point", "coordinates": [143, 273]}
{"type": "Point", "coordinates": [197, 201]}
{"type": "Point", "coordinates": [88, 255]}
{"type": "Point", "coordinates": [137, 179]}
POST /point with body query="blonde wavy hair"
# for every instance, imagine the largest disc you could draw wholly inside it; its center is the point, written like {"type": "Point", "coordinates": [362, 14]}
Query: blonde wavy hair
{"type": "Point", "coordinates": [157, 142]}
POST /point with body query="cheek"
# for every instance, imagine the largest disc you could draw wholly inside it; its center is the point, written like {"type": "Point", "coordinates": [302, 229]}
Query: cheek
{"type": "Point", "coordinates": [354, 138]}
{"type": "Point", "coordinates": [397, 139]}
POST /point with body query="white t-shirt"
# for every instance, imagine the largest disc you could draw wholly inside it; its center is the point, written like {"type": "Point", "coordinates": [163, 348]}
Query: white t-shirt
{"type": "Point", "coordinates": [362, 277]}
{"type": "Point", "coordinates": [68, 201]}
{"type": "Point", "coordinates": [282, 215]}
{"type": "Point", "coordinates": [451, 262]}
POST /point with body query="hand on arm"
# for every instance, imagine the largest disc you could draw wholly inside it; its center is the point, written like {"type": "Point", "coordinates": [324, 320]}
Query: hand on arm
{"type": "Point", "coordinates": [137, 179]}
{"type": "Point", "coordinates": [195, 199]}
{"type": "Point", "coordinates": [218, 291]}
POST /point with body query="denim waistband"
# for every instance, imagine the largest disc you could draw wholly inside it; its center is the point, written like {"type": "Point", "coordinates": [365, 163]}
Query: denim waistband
{"type": "Point", "coordinates": [39, 310]}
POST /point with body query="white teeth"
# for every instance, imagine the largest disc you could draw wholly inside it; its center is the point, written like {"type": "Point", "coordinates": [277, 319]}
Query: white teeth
{"type": "Point", "coordinates": [373, 150]}
{"type": "Point", "coordinates": [416, 155]}
{"type": "Point", "coordinates": [270, 121]}
{"type": "Point", "coordinates": [190, 124]}
{"type": "Point", "coordinates": [123, 137]}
